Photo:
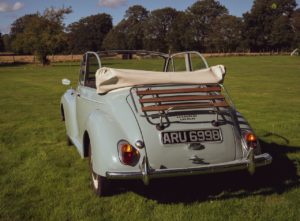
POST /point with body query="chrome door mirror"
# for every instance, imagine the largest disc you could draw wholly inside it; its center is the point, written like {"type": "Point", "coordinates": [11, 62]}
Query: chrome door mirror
{"type": "Point", "coordinates": [66, 82]}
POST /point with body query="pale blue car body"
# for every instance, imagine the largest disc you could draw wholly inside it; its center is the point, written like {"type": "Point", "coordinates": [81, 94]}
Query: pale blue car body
{"type": "Point", "coordinates": [103, 120]}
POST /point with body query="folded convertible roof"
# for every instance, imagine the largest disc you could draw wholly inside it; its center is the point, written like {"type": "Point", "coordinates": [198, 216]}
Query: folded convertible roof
{"type": "Point", "coordinates": [108, 79]}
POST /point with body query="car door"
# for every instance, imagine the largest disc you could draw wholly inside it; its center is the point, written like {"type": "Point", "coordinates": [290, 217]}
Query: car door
{"type": "Point", "coordinates": [86, 90]}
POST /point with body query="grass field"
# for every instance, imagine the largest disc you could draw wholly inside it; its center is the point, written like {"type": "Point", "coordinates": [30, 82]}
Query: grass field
{"type": "Point", "coordinates": [41, 178]}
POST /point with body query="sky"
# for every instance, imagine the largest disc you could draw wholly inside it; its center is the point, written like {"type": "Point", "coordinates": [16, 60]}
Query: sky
{"type": "Point", "coordinates": [10, 10]}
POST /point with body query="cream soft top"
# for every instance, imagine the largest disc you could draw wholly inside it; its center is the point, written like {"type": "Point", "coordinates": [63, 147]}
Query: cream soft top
{"type": "Point", "coordinates": [108, 79]}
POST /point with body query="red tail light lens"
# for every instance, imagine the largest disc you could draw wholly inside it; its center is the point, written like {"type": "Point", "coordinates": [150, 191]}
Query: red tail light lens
{"type": "Point", "coordinates": [128, 154]}
{"type": "Point", "coordinates": [250, 139]}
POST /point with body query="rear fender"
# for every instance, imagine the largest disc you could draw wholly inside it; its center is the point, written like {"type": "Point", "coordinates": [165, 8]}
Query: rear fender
{"type": "Point", "coordinates": [104, 134]}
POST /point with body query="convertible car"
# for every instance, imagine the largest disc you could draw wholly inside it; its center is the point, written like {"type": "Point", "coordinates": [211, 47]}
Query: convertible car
{"type": "Point", "coordinates": [172, 118]}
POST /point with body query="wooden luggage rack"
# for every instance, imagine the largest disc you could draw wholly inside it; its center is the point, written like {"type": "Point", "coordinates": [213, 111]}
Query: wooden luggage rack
{"type": "Point", "coordinates": [171, 100]}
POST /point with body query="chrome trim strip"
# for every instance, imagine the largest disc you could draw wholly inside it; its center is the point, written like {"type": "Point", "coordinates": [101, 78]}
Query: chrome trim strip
{"type": "Point", "coordinates": [260, 160]}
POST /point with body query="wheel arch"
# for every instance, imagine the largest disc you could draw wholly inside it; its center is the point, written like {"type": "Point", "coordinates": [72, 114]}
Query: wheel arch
{"type": "Point", "coordinates": [103, 135]}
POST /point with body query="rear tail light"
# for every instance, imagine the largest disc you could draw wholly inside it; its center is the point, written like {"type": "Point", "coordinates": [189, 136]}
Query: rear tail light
{"type": "Point", "coordinates": [250, 139]}
{"type": "Point", "coordinates": [128, 154]}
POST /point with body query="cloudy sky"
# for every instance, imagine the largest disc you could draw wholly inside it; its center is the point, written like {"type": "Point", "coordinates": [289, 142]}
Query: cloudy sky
{"type": "Point", "coordinates": [10, 10]}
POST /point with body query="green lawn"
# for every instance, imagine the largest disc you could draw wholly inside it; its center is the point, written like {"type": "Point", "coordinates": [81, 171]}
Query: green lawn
{"type": "Point", "coordinates": [41, 178]}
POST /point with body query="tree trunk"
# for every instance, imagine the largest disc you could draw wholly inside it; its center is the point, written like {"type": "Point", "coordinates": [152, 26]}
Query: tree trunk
{"type": "Point", "coordinates": [44, 60]}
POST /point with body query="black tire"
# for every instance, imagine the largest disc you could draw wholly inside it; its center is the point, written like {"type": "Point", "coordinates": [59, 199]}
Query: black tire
{"type": "Point", "coordinates": [69, 141]}
{"type": "Point", "coordinates": [100, 184]}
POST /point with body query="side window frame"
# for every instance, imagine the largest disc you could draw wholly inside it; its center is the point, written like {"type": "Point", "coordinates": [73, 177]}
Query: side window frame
{"type": "Point", "coordinates": [89, 56]}
{"type": "Point", "coordinates": [171, 66]}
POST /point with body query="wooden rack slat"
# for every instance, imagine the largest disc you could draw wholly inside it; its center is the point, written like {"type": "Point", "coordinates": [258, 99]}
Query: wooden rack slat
{"type": "Point", "coordinates": [182, 106]}
{"type": "Point", "coordinates": [181, 98]}
{"type": "Point", "coordinates": [178, 90]}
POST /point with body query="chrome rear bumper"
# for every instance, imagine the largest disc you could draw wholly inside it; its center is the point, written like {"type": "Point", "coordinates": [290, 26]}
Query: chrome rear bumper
{"type": "Point", "coordinates": [146, 174]}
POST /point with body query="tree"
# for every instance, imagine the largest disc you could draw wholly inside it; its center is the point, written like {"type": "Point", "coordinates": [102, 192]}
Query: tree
{"type": "Point", "coordinates": [282, 34]}
{"type": "Point", "coordinates": [135, 18]}
{"type": "Point", "coordinates": [7, 42]}
{"type": "Point", "coordinates": [116, 38]}
{"type": "Point", "coordinates": [203, 15]}
{"type": "Point", "coordinates": [40, 34]}
{"type": "Point", "coordinates": [89, 32]}
{"type": "Point", "coordinates": [181, 40]}
{"type": "Point", "coordinates": [260, 22]}
{"type": "Point", "coordinates": [296, 27]}
{"type": "Point", "coordinates": [129, 33]}
{"type": "Point", "coordinates": [157, 29]}
{"type": "Point", "coordinates": [226, 34]}
{"type": "Point", "coordinates": [18, 33]}
{"type": "Point", "coordinates": [1, 43]}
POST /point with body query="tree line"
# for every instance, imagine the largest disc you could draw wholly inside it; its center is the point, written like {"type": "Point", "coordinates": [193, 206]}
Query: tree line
{"type": "Point", "coordinates": [205, 26]}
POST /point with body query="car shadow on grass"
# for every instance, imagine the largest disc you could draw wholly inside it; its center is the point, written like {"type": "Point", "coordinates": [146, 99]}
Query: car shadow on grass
{"type": "Point", "coordinates": [278, 177]}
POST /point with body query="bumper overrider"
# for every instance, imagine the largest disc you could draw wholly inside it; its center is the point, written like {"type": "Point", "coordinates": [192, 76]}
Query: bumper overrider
{"type": "Point", "coordinates": [147, 173]}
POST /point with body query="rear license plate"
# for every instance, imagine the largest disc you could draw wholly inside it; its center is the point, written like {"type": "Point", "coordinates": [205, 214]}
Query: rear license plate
{"type": "Point", "coordinates": [191, 136]}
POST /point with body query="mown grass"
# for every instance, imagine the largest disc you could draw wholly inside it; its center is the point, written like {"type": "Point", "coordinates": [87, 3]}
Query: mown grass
{"type": "Point", "coordinates": [41, 178]}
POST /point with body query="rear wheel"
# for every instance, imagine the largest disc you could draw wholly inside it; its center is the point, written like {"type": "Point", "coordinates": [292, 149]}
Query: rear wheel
{"type": "Point", "coordinates": [100, 184]}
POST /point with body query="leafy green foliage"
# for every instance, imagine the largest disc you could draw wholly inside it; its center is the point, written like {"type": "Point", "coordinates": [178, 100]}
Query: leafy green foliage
{"type": "Point", "coordinates": [282, 34]}
{"type": "Point", "coordinates": [88, 33]}
{"type": "Point", "coordinates": [129, 33]}
{"type": "Point", "coordinates": [116, 38]}
{"type": "Point", "coordinates": [203, 15]}
{"type": "Point", "coordinates": [135, 18]}
{"type": "Point", "coordinates": [226, 34]}
{"type": "Point", "coordinates": [2, 48]}
{"type": "Point", "coordinates": [178, 39]}
{"type": "Point", "coordinates": [6, 42]}
{"type": "Point", "coordinates": [157, 28]}
{"type": "Point", "coordinates": [206, 26]}
{"type": "Point", "coordinates": [265, 24]}
{"type": "Point", "coordinates": [296, 27]}
{"type": "Point", "coordinates": [40, 34]}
